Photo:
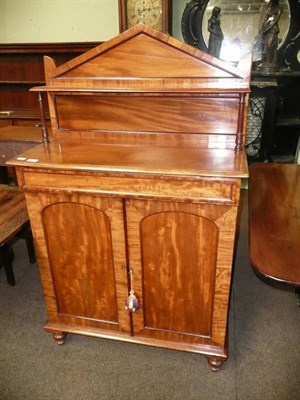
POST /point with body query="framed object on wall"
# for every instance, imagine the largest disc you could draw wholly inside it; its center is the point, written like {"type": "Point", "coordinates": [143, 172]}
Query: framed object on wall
{"type": "Point", "coordinates": [154, 13]}
{"type": "Point", "coordinates": [241, 24]}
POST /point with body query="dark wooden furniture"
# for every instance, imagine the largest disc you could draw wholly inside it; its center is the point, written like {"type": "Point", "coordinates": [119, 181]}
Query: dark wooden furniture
{"type": "Point", "coordinates": [280, 116]}
{"type": "Point", "coordinates": [287, 121]}
{"type": "Point", "coordinates": [22, 67]}
{"type": "Point", "coordinates": [139, 190]}
{"type": "Point", "coordinates": [13, 221]}
{"type": "Point", "coordinates": [264, 108]}
{"type": "Point", "coordinates": [17, 139]}
{"type": "Point", "coordinates": [274, 221]}
{"type": "Point", "coordinates": [13, 141]}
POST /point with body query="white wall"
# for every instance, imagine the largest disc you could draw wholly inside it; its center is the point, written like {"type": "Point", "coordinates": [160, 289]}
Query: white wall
{"type": "Point", "coordinates": [33, 21]}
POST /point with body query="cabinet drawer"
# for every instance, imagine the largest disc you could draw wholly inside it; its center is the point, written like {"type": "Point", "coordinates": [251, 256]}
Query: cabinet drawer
{"type": "Point", "coordinates": [194, 189]}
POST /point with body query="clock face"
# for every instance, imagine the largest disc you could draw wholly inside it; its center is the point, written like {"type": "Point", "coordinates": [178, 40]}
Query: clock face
{"type": "Point", "coordinates": [148, 12]}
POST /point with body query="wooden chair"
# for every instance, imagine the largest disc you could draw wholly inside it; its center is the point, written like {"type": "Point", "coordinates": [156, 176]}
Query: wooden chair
{"type": "Point", "coordinates": [13, 222]}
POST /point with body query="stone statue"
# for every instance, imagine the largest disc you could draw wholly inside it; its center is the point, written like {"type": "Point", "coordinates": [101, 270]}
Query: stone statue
{"type": "Point", "coordinates": [215, 32]}
{"type": "Point", "coordinates": [269, 32]}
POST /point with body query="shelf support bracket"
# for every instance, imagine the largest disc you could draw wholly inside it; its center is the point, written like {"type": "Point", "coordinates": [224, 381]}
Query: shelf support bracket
{"type": "Point", "coordinates": [45, 136]}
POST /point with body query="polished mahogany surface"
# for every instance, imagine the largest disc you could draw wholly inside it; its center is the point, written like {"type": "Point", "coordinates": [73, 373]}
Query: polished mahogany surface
{"type": "Point", "coordinates": [13, 212]}
{"type": "Point", "coordinates": [93, 155]}
{"type": "Point", "coordinates": [138, 190]}
{"type": "Point", "coordinates": [275, 221]}
{"type": "Point", "coordinates": [15, 140]}
{"type": "Point", "coordinates": [175, 93]}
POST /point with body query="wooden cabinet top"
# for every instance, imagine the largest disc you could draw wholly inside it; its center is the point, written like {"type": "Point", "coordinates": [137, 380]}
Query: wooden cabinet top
{"type": "Point", "coordinates": [72, 154]}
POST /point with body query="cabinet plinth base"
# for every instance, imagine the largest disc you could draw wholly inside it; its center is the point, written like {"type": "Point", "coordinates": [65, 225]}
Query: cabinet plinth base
{"type": "Point", "coordinates": [215, 363]}
{"type": "Point", "coordinates": [60, 332]}
{"type": "Point", "coordinates": [59, 337]}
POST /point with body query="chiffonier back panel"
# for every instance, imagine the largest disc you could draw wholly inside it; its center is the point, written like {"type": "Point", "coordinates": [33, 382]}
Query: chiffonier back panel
{"type": "Point", "coordinates": [145, 87]}
{"type": "Point", "coordinates": [147, 114]}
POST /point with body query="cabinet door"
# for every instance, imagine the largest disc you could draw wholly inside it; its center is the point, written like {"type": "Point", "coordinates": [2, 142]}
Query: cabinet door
{"type": "Point", "coordinates": [181, 257]}
{"type": "Point", "coordinates": [81, 252]}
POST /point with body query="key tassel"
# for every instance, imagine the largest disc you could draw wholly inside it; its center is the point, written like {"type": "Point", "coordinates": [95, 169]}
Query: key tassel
{"type": "Point", "coordinates": [131, 303]}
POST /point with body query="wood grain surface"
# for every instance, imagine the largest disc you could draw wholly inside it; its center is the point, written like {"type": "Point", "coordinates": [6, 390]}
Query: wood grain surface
{"type": "Point", "coordinates": [275, 221]}
{"type": "Point", "coordinates": [139, 190]}
{"type": "Point", "coordinates": [70, 154]}
{"type": "Point", "coordinates": [13, 212]}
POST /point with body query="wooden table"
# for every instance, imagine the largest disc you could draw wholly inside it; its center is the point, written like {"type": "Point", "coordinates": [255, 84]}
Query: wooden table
{"type": "Point", "coordinates": [13, 220]}
{"type": "Point", "coordinates": [15, 140]}
{"type": "Point", "coordinates": [274, 222]}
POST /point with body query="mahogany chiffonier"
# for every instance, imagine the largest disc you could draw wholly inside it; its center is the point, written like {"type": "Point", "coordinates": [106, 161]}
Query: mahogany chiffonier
{"type": "Point", "coordinates": [133, 203]}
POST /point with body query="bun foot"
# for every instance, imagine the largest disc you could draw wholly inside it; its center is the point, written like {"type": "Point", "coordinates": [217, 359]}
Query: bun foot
{"type": "Point", "coordinates": [215, 363]}
{"type": "Point", "coordinates": [59, 337]}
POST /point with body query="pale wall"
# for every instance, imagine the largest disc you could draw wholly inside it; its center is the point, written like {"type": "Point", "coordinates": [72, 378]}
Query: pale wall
{"type": "Point", "coordinates": [32, 21]}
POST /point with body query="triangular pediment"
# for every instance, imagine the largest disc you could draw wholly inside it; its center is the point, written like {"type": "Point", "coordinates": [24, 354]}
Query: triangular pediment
{"type": "Point", "coordinates": [144, 53]}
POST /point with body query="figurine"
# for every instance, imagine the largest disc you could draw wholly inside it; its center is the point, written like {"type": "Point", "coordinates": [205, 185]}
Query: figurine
{"type": "Point", "coordinates": [270, 31]}
{"type": "Point", "coordinates": [216, 35]}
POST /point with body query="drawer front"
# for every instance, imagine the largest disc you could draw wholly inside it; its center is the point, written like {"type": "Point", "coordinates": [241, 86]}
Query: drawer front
{"type": "Point", "coordinates": [208, 189]}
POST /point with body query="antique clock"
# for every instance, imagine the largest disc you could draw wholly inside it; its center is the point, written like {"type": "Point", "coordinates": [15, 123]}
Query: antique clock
{"type": "Point", "coordinates": [154, 13]}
